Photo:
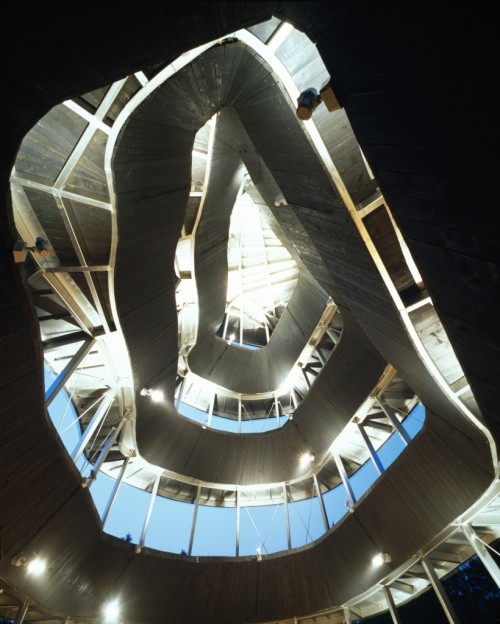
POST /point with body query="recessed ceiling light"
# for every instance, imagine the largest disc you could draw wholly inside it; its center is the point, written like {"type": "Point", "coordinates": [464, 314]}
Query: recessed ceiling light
{"type": "Point", "coordinates": [36, 566]}
{"type": "Point", "coordinates": [111, 610]}
{"type": "Point", "coordinates": [381, 558]}
{"type": "Point", "coordinates": [306, 459]}
{"type": "Point", "coordinates": [156, 395]}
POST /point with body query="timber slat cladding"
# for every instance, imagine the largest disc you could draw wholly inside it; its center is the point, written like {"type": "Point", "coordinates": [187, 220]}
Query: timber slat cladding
{"type": "Point", "coordinates": [143, 348]}
{"type": "Point", "coordinates": [48, 145]}
{"type": "Point", "coordinates": [372, 54]}
{"type": "Point", "coordinates": [95, 226]}
{"type": "Point", "coordinates": [430, 111]}
{"type": "Point", "coordinates": [384, 237]}
{"type": "Point", "coordinates": [50, 217]}
{"type": "Point", "coordinates": [88, 174]}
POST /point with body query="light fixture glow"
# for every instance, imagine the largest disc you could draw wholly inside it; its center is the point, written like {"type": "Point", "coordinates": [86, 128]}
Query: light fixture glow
{"type": "Point", "coordinates": [36, 566]}
{"type": "Point", "coordinates": [111, 610]}
{"type": "Point", "coordinates": [306, 459]}
{"type": "Point", "coordinates": [381, 558]}
{"type": "Point", "coordinates": [156, 395]}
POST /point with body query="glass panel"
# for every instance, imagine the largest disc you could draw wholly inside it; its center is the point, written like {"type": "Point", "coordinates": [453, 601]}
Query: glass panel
{"type": "Point", "coordinates": [224, 424]}
{"type": "Point", "coordinates": [306, 523]}
{"type": "Point", "coordinates": [170, 526]}
{"type": "Point", "coordinates": [62, 414]}
{"type": "Point", "coordinates": [215, 532]}
{"type": "Point", "coordinates": [262, 527]}
{"type": "Point", "coordinates": [101, 491]}
{"type": "Point", "coordinates": [193, 413]}
{"type": "Point", "coordinates": [259, 425]}
{"type": "Point", "coordinates": [393, 447]}
{"type": "Point", "coordinates": [126, 518]}
{"type": "Point", "coordinates": [363, 478]}
{"type": "Point", "coordinates": [414, 422]}
{"type": "Point", "coordinates": [335, 504]}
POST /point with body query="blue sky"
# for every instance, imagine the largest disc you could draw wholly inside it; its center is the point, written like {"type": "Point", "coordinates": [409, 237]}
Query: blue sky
{"type": "Point", "coordinates": [261, 527]}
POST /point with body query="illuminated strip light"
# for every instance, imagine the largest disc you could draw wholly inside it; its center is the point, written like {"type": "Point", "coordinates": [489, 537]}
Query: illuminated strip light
{"type": "Point", "coordinates": [316, 139]}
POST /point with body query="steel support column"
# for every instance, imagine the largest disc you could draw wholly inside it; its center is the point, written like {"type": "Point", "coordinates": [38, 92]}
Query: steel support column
{"type": "Point", "coordinates": [390, 412]}
{"type": "Point", "coordinates": [391, 604]}
{"type": "Point", "coordinates": [238, 509]}
{"type": "Point", "coordinates": [371, 449]}
{"type": "Point", "coordinates": [277, 409]}
{"type": "Point", "coordinates": [193, 527]}
{"type": "Point", "coordinates": [68, 370]}
{"type": "Point", "coordinates": [344, 477]}
{"type": "Point", "coordinates": [210, 411]}
{"type": "Point", "coordinates": [152, 499]}
{"type": "Point", "coordinates": [104, 452]}
{"type": "Point", "coordinates": [180, 393]}
{"type": "Point", "coordinates": [116, 487]}
{"type": "Point", "coordinates": [287, 518]}
{"type": "Point", "coordinates": [451, 616]}
{"type": "Point", "coordinates": [482, 552]}
{"type": "Point", "coordinates": [100, 414]}
{"type": "Point", "coordinates": [23, 610]}
{"type": "Point", "coordinates": [321, 503]}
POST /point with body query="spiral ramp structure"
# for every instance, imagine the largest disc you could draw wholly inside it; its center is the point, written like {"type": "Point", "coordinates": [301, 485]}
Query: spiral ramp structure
{"type": "Point", "coordinates": [353, 289]}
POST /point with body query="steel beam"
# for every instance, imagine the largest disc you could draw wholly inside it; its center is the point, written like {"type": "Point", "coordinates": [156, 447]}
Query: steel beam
{"type": "Point", "coordinates": [99, 416]}
{"type": "Point", "coordinates": [321, 503]}
{"type": "Point", "coordinates": [407, 588]}
{"type": "Point", "coordinates": [238, 509]}
{"type": "Point", "coordinates": [390, 412]}
{"type": "Point", "coordinates": [210, 410]}
{"type": "Point", "coordinates": [180, 393]}
{"type": "Point", "coordinates": [371, 449]}
{"type": "Point", "coordinates": [152, 499]}
{"type": "Point", "coordinates": [64, 340]}
{"type": "Point", "coordinates": [68, 370]}
{"type": "Point", "coordinates": [449, 612]}
{"type": "Point", "coordinates": [482, 552]}
{"type": "Point", "coordinates": [287, 518]}
{"type": "Point", "coordinates": [391, 604]}
{"type": "Point", "coordinates": [343, 475]}
{"type": "Point", "coordinates": [104, 452]}
{"type": "Point", "coordinates": [23, 610]}
{"type": "Point", "coordinates": [116, 487]}
{"type": "Point", "coordinates": [277, 410]}
{"type": "Point", "coordinates": [195, 516]}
